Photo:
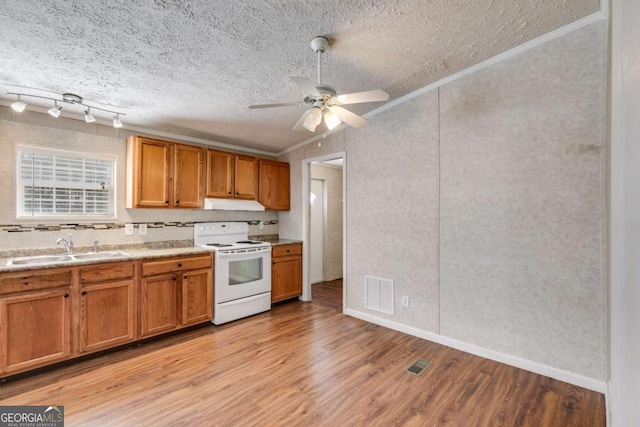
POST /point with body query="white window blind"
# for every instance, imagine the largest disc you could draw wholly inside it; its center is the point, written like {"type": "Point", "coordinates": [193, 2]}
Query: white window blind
{"type": "Point", "coordinates": [61, 183]}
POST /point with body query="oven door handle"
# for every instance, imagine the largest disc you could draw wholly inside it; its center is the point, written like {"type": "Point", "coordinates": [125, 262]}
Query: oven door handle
{"type": "Point", "coordinates": [243, 300]}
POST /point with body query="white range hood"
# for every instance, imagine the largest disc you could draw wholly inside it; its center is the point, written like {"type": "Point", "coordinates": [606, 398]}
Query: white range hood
{"type": "Point", "coordinates": [232, 205]}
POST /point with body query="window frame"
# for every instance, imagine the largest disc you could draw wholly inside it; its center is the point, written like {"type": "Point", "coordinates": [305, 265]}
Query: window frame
{"type": "Point", "coordinates": [19, 195]}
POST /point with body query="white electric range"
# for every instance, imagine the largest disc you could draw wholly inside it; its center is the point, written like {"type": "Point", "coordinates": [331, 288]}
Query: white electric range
{"type": "Point", "coordinates": [242, 269]}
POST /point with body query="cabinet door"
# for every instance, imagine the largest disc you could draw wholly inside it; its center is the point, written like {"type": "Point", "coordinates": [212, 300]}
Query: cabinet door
{"type": "Point", "coordinates": [158, 304]}
{"type": "Point", "coordinates": [107, 316]}
{"type": "Point", "coordinates": [151, 173]}
{"type": "Point", "coordinates": [35, 329]}
{"type": "Point", "coordinates": [246, 178]}
{"type": "Point", "coordinates": [286, 277]}
{"type": "Point", "coordinates": [187, 176]}
{"type": "Point", "coordinates": [220, 171]}
{"type": "Point", "coordinates": [197, 297]}
{"type": "Point", "coordinates": [274, 185]}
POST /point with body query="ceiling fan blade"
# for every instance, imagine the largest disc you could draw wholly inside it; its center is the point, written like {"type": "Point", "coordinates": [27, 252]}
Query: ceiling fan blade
{"type": "Point", "coordinates": [300, 124]}
{"type": "Point", "coordinates": [358, 97]}
{"type": "Point", "coordinates": [281, 104]}
{"type": "Point", "coordinates": [305, 85]}
{"type": "Point", "coordinates": [348, 117]}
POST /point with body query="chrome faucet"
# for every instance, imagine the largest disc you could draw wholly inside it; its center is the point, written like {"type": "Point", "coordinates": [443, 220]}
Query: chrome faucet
{"type": "Point", "coordinates": [68, 244]}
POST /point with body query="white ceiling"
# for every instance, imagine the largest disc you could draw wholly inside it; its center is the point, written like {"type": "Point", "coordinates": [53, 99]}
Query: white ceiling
{"type": "Point", "coordinates": [192, 67]}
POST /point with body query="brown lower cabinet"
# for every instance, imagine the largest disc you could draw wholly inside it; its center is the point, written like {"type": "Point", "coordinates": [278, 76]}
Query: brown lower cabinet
{"type": "Point", "coordinates": [286, 271]}
{"type": "Point", "coordinates": [107, 306]}
{"type": "Point", "coordinates": [55, 314]}
{"type": "Point", "coordinates": [175, 293]}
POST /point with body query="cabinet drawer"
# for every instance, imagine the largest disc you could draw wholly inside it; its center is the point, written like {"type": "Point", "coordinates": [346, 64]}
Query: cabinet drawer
{"type": "Point", "coordinates": [34, 280]}
{"type": "Point", "coordinates": [284, 250]}
{"type": "Point", "coordinates": [151, 268]}
{"type": "Point", "coordinates": [104, 273]}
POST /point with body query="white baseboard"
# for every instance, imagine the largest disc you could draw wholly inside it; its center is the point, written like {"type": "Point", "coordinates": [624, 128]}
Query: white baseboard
{"type": "Point", "coordinates": [538, 368]}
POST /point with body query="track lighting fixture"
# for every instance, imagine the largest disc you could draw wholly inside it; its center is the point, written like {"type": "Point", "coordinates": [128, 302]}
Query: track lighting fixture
{"type": "Point", "coordinates": [68, 98]}
{"type": "Point", "coordinates": [19, 105]}
{"type": "Point", "coordinates": [55, 110]}
{"type": "Point", "coordinates": [88, 117]}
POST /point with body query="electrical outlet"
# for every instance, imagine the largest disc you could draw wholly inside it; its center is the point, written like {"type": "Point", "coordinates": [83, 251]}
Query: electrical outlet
{"type": "Point", "coordinates": [405, 300]}
{"type": "Point", "coordinates": [261, 225]}
{"type": "Point", "coordinates": [128, 229]}
{"type": "Point", "coordinates": [142, 228]}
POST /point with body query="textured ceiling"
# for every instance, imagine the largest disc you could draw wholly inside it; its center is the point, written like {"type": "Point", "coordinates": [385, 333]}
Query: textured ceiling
{"type": "Point", "coordinates": [191, 67]}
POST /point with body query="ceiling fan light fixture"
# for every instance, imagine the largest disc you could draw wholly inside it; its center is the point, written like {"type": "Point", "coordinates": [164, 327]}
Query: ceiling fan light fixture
{"type": "Point", "coordinates": [55, 110]}
{"type": "Point", "coordinates": [19, 105]}
{"type": "Point", "coordinates": [331, 119]}
{"type": "Point", "coordinates": [314, 117]}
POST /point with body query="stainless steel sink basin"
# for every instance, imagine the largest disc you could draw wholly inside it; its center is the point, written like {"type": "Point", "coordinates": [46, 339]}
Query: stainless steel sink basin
{"type": "Point", "coordinates": [42, 259]}
{"type": "Point", "coordinates": [100, 255]}
{"type": "Point", "coordinates": [64, 258]}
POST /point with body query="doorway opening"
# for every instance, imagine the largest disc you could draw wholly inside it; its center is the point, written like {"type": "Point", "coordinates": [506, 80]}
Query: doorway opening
{"type": "Point", "coordinates": [324, 182]}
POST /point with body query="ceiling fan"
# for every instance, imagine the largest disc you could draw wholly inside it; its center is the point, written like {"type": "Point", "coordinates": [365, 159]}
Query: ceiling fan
{"type": "Point", "coordinates": [324, 101]}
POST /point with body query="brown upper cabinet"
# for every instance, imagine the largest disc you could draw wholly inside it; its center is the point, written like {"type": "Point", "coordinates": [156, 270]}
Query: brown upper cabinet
{"type": "Point", "coordinates": [231, 176]}
{"type": "Point", "coordinates": [274, 185]}
{"type": "Point", "coordinates": [162, 174]}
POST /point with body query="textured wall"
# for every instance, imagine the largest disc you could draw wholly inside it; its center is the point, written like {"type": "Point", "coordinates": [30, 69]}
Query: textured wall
{"type": "Point", "coordinates": [514, 227]}
{"type": "Point", "coordinates": [522, 204]}
{"type": "Point", "coordinates": [332, 238]}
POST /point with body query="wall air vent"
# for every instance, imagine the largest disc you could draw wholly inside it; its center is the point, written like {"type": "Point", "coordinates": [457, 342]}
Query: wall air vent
{"type": "Point", "coordinates": [378, 294]}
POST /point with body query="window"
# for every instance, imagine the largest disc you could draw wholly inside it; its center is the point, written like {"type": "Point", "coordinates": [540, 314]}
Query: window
{"type": "Point", "coordinates": [54, 183]}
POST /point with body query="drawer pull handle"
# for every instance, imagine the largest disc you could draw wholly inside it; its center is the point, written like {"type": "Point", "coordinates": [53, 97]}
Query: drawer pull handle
{"type": "Point", "coordinates": [66, 295]}
{"type": "Point", "coordinates": [84, 293]}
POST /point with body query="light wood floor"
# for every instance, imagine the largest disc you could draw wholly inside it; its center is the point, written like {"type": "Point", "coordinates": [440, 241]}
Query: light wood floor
{"type": "Point", "coordinates": [301, 364]}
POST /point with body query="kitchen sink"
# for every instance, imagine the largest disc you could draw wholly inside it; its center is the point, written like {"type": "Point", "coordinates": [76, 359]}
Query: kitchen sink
{"type": "Point", "coordinates": [100, 255]}
{"type": "Point", "coordinates": [65, 258]}
{"type": "Point", "coordinates": [36, 260]}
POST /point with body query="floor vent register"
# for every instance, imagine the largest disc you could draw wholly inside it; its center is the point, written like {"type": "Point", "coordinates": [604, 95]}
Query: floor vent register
{"type": "Point", "coordinates": [418, 367]}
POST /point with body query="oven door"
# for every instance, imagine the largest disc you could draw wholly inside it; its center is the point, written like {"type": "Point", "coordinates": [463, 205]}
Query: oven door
{"type": "Point", "coordinates": [244, 274]}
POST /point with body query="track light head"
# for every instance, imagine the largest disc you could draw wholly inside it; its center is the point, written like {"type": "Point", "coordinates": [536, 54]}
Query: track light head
{"type": "Point", "coordinates": [19, 105]}
{"type": "Point", "coordinates": [88, 117]}
{"type": "Point", "coordinates": [55, 110]}
{"type": "Point", "coordinates": [116, 121]}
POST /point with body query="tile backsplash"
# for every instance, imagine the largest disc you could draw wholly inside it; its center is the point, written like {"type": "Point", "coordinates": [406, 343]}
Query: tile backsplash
{"type": "Point", "coordinates": [41, 236]}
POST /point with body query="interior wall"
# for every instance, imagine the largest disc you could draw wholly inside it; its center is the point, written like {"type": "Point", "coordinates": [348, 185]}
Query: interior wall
{"type": "Point", "coordinates": [332, 238]}
{"type": "Point", "coordinates": [163, 224]}
{"type": "Point", "coordinates": [507, 252]}
{"type": "Point", "coordinates": [523, 204]}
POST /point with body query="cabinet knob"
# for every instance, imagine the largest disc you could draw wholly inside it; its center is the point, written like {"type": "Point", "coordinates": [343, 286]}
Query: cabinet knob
{"type": "Point", "coordinates": [84, 293]}
{"type": "Point", "coordinates": [177, 202]}
{"type": "Point", "coordinates": [237, 194]}
{"type": "Point", "coordinates": [166, 202]}
{"type": "Point", "coordinates": [179, 264]}
{"type": "Point", "coordinates": [229, 193]}
{"type": "Point", "coordinates": [66, 295]}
